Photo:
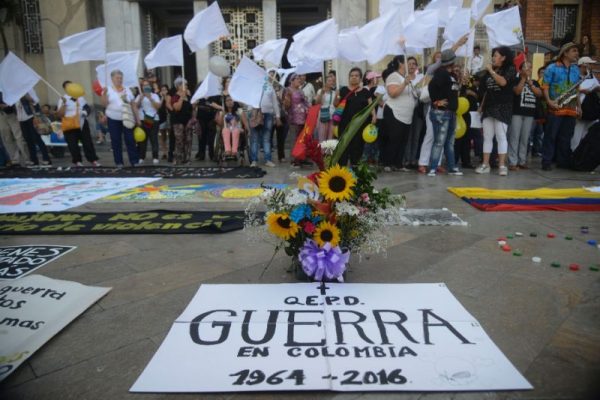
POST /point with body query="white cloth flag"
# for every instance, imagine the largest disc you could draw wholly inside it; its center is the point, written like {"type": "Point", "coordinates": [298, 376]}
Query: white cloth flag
{"type": "Point", "coordinates": [406, 7]}
{"type": "Point", "coordinates": [421, 29]}
{"type": "Point", "coordinates": [206, 27]}
{"type": "Point", "coordinates": [446, 9]}
{"type": "Point", "coordinates": [478, 7]}
{"type": "Point", "coordinates": [167, 52]}
{"type": "Point", "coordinates": [317, 42]}
{"type": "Point", "coordinates": [270, 51]}
{"type": "Point", "coordinates": [84, 46]}
{"type": "Point", "coordinates": [380, 37]}
{"type": "Point", "coordinates": [210, 86]}
{"type": "Point", "coordinates": [308, 66]}
{"type": "Point", "coordinates": [504, 27]}
{"type": "Point", "coordinates": [466, 50]}
{"type": "Point", "coordinates": [347, 45]}
{"type": "Point", "coordinates": [16, 78]}
{"type": "Point", "coordinates": [458, 25]}
{"type": "Point", "coordinates": [246, 85]}
{"type": "Point", "coordinates": [124, 61]}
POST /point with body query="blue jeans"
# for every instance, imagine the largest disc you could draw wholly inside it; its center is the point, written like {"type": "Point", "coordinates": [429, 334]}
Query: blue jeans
{"type": "Point", "coordinates": [557, 140]}
{"type": "Point", "coordinates": [262, 133]}
{"type": "Point", "coordinates": [444, 125]}
{"type": "Point", "coordinates": [117, 133]}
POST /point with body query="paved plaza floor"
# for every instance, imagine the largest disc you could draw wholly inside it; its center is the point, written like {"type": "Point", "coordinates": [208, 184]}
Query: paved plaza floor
{"type": "Point", "coordinates": [546, 320]}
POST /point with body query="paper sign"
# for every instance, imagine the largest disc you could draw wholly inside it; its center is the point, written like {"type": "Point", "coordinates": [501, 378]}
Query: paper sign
{"type": "Point", "coordinates": [18, 261]}
{"type": "Point", "coordinates": [34, 309]}
{"type": "Point", "coordinates": [341, 337]}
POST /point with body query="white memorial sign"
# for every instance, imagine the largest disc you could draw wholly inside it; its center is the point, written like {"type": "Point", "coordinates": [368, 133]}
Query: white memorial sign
{"type": "Point", "coordinates": [18, 261]}
{"type": "Point", "coordinates": [34, 309]}
{"type": "Point", "coordinates": [342, 337]}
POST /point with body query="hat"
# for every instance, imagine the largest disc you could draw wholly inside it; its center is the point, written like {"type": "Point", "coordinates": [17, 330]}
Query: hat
{"type": "Point", "coordinates": [373, 75]}
{"type": "Point", "coordinates": [448, 57]}
{"type": "Point", "coordinates": [566, 47]}
{"type": "Point", "coordinates": [586, 60]}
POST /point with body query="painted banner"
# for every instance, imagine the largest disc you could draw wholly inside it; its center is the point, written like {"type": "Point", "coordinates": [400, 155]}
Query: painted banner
{"type": "Point", "coordinates": [37, 195]}
{"type": "Point", "coordinates": [129, 222]}
{"type": "Point", "coordinates": [341, 337]}
{"type": "Point", "coordinates": [18, 261]}
{"type": "Point", "coordinates": [33, 310]}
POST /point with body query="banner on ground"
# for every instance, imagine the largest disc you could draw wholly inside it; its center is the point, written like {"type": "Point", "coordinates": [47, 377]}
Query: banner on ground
{"type": "Point", "coordinates": [18, 261]}
{"type": "Point", "coordinates": [342, 337]}
{"type": "Point", "coordinates": [34, 309]}
{"type": "Point", "coordinates": [167, 52]}
{"type": "Point", "coordinates": [16, 78]}
{"type": "Point", "coordinates": [161, 222]}
{"type": "Point", "coordinates": [84, 46]}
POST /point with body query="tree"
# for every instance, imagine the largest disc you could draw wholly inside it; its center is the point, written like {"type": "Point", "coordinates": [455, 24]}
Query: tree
{"type": "Point", "coordinates": [10, 12]}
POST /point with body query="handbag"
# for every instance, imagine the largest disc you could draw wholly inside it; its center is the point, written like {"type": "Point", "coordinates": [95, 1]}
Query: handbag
{"type": "Point", "coordinates": [257, 119]}
{"type": "Point", "coordinates": [71, 123]}
{"type": "Point", "coordinates": [128, 119]}
{"type": "Point", "coordinates": [337, 114]}
{"type": "Point", "coordinates": [148, 121]}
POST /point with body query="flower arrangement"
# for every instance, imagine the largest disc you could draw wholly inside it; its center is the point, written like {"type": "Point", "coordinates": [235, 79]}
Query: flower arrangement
{"type": "Point", "coordinates": [328, 215]}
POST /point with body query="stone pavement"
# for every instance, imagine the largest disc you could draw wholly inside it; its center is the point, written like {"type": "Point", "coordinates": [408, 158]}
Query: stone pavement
{"type": "Point", "coordinates": [545, 320]}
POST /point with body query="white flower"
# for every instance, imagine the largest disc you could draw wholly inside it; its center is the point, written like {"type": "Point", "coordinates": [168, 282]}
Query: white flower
{"type": "Point", "coordinates": [295, 197]}
{"type": "Point", "coordinates": [345, 208]}
{"type": "Point", "coordinates": [267, 194]}
{"type": "Point", "coordinates": [328, 146]}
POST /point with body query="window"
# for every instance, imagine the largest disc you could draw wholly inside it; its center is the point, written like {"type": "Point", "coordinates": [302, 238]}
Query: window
{"type": "Point", "coordinates": [564, 23]}
{"type": "Point", "coordinates": [32, 27]}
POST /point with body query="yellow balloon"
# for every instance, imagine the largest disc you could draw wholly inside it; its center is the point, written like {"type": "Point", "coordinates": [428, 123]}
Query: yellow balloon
{"type": "Point", "coordinates": [461, 127]}
{"type": "Point", "coordinates": [138, 134]}
{"type": "Point", "coordinates": [369, 134]}
{"type": "Point", "coordinates": [75, 90]}
{"type": "Point", "coordinates": [463, 105]}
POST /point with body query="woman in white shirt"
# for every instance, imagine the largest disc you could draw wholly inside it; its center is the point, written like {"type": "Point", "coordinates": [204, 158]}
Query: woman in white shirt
{"type": "Point", "coordinates": [71, 107]}
{"type": "Point", "coordinates": [114, 97]}
{"type": "Point", "coordinates": [149, 103]}
{"type": "Point", "coordinates": [397, 113]}
{"type": "Point", "coordinates": [328, 99]}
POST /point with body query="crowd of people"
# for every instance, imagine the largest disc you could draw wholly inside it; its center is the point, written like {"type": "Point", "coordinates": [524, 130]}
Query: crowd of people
{"type": "Point", "coordinates": [511, 117]}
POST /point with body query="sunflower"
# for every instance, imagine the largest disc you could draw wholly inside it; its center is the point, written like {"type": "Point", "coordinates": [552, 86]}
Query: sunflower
{"type": "Point", "coordinates": [327, 232]}
{"type": "Point", "coordinates": [336, 183]}
{"type": "Point", "coordinates": [282, 226]}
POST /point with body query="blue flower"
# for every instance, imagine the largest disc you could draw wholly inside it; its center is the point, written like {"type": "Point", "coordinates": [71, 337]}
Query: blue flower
{"type": "Point", "coordinates": [300, 212]}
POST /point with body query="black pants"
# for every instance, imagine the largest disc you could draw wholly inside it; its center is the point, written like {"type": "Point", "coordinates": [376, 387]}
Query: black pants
{"type": "Point", "coordinates": [281, 133]}
{"type": "Point", "coordinates": [208, 129]}
{"type": "Point", "coordinates": [354, 151]}
{"type": "Point", "coordinates": [462, 148]}
{"type": "Point", "coordinates": [152, 135]}
{"type": "Point", "coordinates": [82, 135]}
{"type": "Point", "coordinates": [33, 139]}
{"type": "Point", "coordinates": [171, 145]}
{"type": "Point", "coordinates": [395, 138]}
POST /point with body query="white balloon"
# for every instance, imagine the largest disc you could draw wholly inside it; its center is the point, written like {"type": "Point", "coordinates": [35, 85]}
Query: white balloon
{"type": "Point", "coordinates": [219, 66]}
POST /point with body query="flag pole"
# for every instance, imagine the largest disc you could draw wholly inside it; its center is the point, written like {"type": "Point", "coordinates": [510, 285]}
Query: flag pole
{"type": "Point", "coordinates": [51, 87]}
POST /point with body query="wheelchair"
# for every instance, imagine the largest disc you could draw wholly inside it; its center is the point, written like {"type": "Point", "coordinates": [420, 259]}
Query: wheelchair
{"type": "Point", "coordinates": [241, 157]}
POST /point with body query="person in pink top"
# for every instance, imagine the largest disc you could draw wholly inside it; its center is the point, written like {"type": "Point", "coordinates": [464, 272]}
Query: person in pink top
{"type": "Point", "coordinates": [296, 106]}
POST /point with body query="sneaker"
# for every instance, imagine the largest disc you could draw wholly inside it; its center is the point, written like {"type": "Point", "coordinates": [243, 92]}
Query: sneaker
{"type": "Point", "coordinates": [46, 163]}
{"type": "Point", "coordinates": [431, 173]}
{"type": "Point", "coordinates": [455, 172]}
{"type": "Point", "coordinates": [140, 162]}
{"type": "Point", "coordinates": [253, 164]}
{"type": "Point", "coordinates": [270, 164]}
{"type": "Point", "coordinates": [283, 160]}
{"type": "Point", "coordinates": [96, 164]}
{"type": "Point", "coordinates": [78, 164]}
{"type": "Point", "coordinates": [502, 171]}
{"type": "Point", "coordinates": [422, 169]}
{"type": "Point", "coordinates": [513, 168]}
{"type": "Point", "coordinates": [523, 166]}
{"type": "Point", "coordinates": [482, 169]}
{"type": "Point", "coordinates": [119, 165]}
{"type": "Point", "coordinates": [296, 165]}
{"type": "Point", "coordinates": [441, 170]}
{"type": "Point", "coordinates": [155, 161]}
{"type": "Point", "coordinates": [387, 169]}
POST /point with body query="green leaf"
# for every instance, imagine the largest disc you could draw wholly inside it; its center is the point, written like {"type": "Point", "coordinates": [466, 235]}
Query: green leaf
{"type": "Point", "coordinates": [352, 129]}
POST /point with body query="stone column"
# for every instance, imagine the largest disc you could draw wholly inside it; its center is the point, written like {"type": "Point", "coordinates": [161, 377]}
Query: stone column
{"type": "Point", "coordinates": [202, 56]}
{"type": "Point", "coordinates": [348, 13]}
{"type": "Point", "coordinates": [123, 24]}
{"type": "Point", "coordinates": [269, 9]}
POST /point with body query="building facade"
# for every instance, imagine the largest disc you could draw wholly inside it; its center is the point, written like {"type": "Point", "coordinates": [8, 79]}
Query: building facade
{"type": "Point", "coordinates": [139, 24]}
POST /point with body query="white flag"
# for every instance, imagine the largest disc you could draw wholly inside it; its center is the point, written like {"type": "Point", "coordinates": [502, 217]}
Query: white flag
{"type": "Point", "coordinates": [317, 42]}
{"type": "Point", "coordinates": [504, 27]}
{"type": "Point", "coordinates": [270, 51]}
{"type": "Point", "coordinates": [406, 7]}
{"type": "Point", "coordinates": [206, 27]}
{"type": "Point", "coordinates": [458, 25]}
{"type": "Point", "coordinates": [308, 66]}
{"type": "Point", "coordinates": [478, 7]}
{"type": "Point", "coordinates": [124, 61]}
{"type": "Point", "coordinates": [84, 46]}
{"type": "Point", "coordinates": [210, 86]}
{"type": "Point", "coordinates": [466, 50]}
{"type": "Point", "coordinates": [380, 37]}
{"type": "Point", "coordinates": [168, 51]}
{"type": "Point", "coordinates": [247, 83]}
{"type": "Point", "coordinates": [349, 45]}
{"type": "Point", "coordinates": [421, 29]}
{"type": "Point", "coordinates": [445, 9]}
{"type": "Point", "coordinates": [16, 78]}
